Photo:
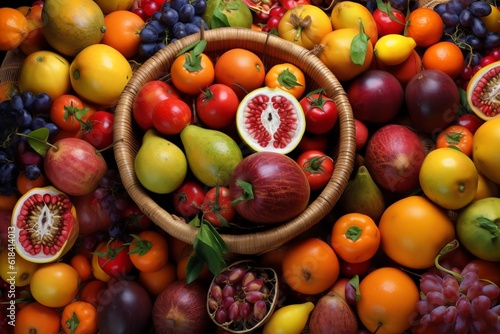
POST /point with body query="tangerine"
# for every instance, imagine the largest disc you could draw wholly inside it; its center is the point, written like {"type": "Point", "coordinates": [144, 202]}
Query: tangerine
{"type": "Point", "coordinates": [424, 26]}
{"type": "Point", "coordinates": [122, 32]}
{"type": "Point", "coordinates": [444, 56]}
{"type": "Point", "coordinates": [14, 27]}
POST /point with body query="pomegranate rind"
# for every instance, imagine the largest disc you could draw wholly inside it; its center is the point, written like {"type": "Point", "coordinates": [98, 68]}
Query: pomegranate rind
{"type": "Point", "coordinates": [477, 83]}
{"type": "Point", "coordinates": [70, 221]}
{"type": "Point", "coordinates": [271, 137]}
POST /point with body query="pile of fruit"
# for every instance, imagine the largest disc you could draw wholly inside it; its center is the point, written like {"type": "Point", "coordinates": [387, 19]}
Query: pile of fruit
{"type": "Point", "coordinates": [233, 145]}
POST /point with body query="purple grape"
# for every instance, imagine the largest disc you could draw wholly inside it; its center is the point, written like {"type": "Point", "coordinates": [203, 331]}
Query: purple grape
{"type": "Point", "coordinates": [28, 99]}
{"type": "Point", "coordinates": [478, 27]}
{"type": "Point", "coordinates": [440, 8]}
{"type": "Point", "coordinates": [466, 18]}
{"type": "Point", "coordinates": [16, 102]}
{"type": "Point", "coordinates": [53, 129]}
{"type": "Point", "coordinates": [8, 173]}
{"type": "Point", "coordinates": [177, 4]}
{"type": "Point", "coordinates": [32, 172]}
{"type": "Point", "coordinates": [450, 19]}
{"type": "Point", "coordinates": [146, 50]}
{"type": "Point", "coordinates": [170, 17]}
{"type": "Point", "coordinates": [480, 8]}
{"type": "Point", "coordinates": [199, 6]}
{"type": "Point", "coordinates": [192, 28]}
{"type": "Point", "coordinates": [491, 40]}
{"type": "Point", "coordinates": [186, 13]}
{"type": "Point", "coordinates": [156, 16]}
{"type": "Point", "coordinates": [454, 7]}
{"type": "Point", "coordinates": [37, 123]}
{"type": "Point", "coordinates": [41, 104]}
{"type": "Point", "coordinates": [148, 34]}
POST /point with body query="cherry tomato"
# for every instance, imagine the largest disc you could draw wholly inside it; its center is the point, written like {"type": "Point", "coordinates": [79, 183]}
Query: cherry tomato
{"type": "Point", "coordinates": [386, 24]}
{"type": "Point", "coordinates": [146, 99]}
{"type": "Point", "coordinates": [321, 113]}
{"type": "Point", "coordinates": [456, 136]}
{"type": "Point", "coordinates": [273, 22]}
{"type": "Point", "coordinates": [67, 111]}
{"type": "Point", "coordinates": [355, 237]}
{"type": "Point", "coordinates": [277, 11]}
{"type": "Point", "coordinates": [287, 77]}
{"type": "Point", "coordinates": [470, 121]}
{"type": "Point", "coordinates": [188, 198]}
{"type": "Point", "coordinates": [171, 116]}
{"type": "Point", "coordinates": [134, 218]}
{"type": "Point", "coordinates": [148, 251]}
{"type": "Point", "coordinates": [98, 129]}
{"type": "Point", "coordinates": [289, 4]}
{"type": "Point", "coordinates": [79, 318]}
{"type": "Point", "coordinates": [217, 208]}
{"type": "Point", "coordinates": [113, 258]}
{"type": "Point", "coordinates": [192, 73]}
{"type": "Point", "coordinates": [317, 166]}
{"type": "Point", "coordinates": [82, 266]}
{"type": "Point", "coordinates": [217, 105]}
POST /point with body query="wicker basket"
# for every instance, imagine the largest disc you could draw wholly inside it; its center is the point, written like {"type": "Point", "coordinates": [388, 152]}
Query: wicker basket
{"type": "Point", "coordinates": [272, 50]}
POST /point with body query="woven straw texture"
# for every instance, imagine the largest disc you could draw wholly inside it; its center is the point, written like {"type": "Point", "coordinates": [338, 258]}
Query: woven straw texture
{"type": "Point", "coordinates": [272, 50]}
{"type": "Point", "coordinates": [10, 66]}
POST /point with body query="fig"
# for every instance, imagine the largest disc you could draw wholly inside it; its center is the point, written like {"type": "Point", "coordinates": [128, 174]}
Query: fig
{"type": "Point", "coordinates": [481, 89]}
{"type": "Point", "coordinates": [270, 119]}
{"type": "Point", "coordinates": [332, 312]}
{"type": "Point", "coordinates": [45, 225]}
{"type": "Point", "coordinates": [432, 99]}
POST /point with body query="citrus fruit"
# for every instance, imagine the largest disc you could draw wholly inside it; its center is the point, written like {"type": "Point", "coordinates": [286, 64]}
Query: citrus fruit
{"type": "Point", "coordinates": [486, 156]}
{"type": "Point", "coordinates": [425, 26]}
{"type": "Point", "coordinates": [122, 32]}
{"type": "Point", "coordinates": [14, 27]}
{"type": "Point", "coordinates": [393, 49]}
{"type": "Point", "coordinates": [444, 56]}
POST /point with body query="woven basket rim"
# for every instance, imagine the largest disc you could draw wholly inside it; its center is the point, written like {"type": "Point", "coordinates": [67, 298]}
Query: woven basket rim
{"type": "Point", "coordinates": [275, 236]}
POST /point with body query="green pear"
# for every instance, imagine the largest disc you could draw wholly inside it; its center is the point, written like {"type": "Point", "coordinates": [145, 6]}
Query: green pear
{"type": "Point", "coordinates": [160, 165]}
{"type": "Point", "coordinates": [211, 154]}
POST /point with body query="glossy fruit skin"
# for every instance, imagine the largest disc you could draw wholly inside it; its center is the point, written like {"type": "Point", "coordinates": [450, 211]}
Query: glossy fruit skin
{"type": "Point", "coordinates": [67, 33]}
{"type": "Point", "coordinates": [292, 26]}
{"type": "Point", "coordinates": [432, 99]}
{"type": "Point", "coordinates": [99, 73]}
{"type": "Point", "coordinates": [336, 54]}
{"type": "Point", "coordinates": [393, 49]}
{"type": "Point", "coordinates": [240, 69]}
{"type": "Point", "coordinates": [122, 32]}
{"type": "Point", "coordinates": [413, 230]}
{"type": "Point", "coordinates": [317, 166]}
{"type": "Point", "coordinates": [216, 106]}
{"type": "Point", "coordinates": [355, 237]}
{"type": "Point", "coordinates": [171, 116]}
{"type": "Point", "coordinates": [15, 28]}
{"type": "Point", "coordinates": [387, 25]}
{"type": "Point", "coordinates": [54, 284]}
{"type": "Point", "coordinates": [376, 96]}
{"type": "Point", "coordinates": [66, 110]}
{"type": "Point", "coordinates": [310, 266]}
{"type": "Point", "coordinates": [321, 113]}
{"type": "Point", "coordinates": [288, 77]}
{"type": "Point", "coordinates": [97, 271]}
{"type": "Point", "coordinates": [449, 178]}
{"type": "Point", "coordinates": [86, 318]}
{"type": "Point", "coordinates": [280, 188]}
{"type": "Point", "coordinates": [91, 216]}
{"type": "Point", "coordinates": [361, 134]}
{"type": "Point", "coordinates": [445, 56]}
{"type": "Point", "coordinates": [470, 121]}
{"type": "Point", "coordinates": [113, 258]}
{"type": "Point", "coordinates": [39, 318]}
{"type": "Point", "coordinates": [155, 254]}
{"type": "Point", "coordinates": [480, 81]}
{"type": "Point", "coordinates": [155, 282]}
{"type": "Point", "coordinates": [426, 26]}
{"type": "Point", "coordinates": [39, 66]}
{"type": "Point", "coordinates": [22, 269]}
{"type": "Point", "coordinates": [188, 198]}
{"type": "Point", "coordinates": [99, 129]}
{"type": "Point", "coordinates": [109, 6]}
{"type": "Point", "coordinates": [192, 81]}
{"type": "Point", "coordinates": [146, 99]}
{"type": "Point", "coordinates": [74, 166]}
{"type": "Point", "coordinates": [456, 136]}
{"type": "Point", "coordinates": [477, 225]}
{"type": "Point", "coordinates": [217, 208]}
{"type": "Point", "coordinates": [388, 296]}
{"type": "Point", "coordinates": [485, 155]}
{"type": "Point", "coordinates": [82, 266]}
{"type": "Point", "coordinates": [351, 14]}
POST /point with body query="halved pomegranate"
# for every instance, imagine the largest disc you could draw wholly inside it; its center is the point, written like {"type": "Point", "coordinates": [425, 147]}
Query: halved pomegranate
{"type": "Point", "coordinates": [45, 225]}
{"type": "Point", "coordinates": [270, 119]}
{"type": "Point", "coordinates": [483, 92]}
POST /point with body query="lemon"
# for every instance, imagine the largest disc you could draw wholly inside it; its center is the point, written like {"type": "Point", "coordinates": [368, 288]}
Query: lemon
{"type": "Point", "coordinates": [485, 151]}
{"type": "Point", "coordinates": [492, 21]}
{"type": "Point", "coordinates": [393, 49]}
{"type": "Point", "coordinates": [290, 319]}
{"type": "Point", "coordinates": [449, 178]}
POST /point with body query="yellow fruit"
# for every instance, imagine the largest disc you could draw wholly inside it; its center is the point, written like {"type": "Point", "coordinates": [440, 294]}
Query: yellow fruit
{"type": "Point", "coordinates": [393, 49]}
{"type": "Point", "coordinates": [492, 21]}
{"type": "Point", "coordinates": [448, 177]}
{"type": "Point", "coordinates": [486, 188]}
{"type": "Point", "coordinates": [485, 153]}
{"type": "Point", "coordinates": [72, 25]}
{"type": "Point", "coordinates": [99, 73]}
{"type": "Point", "coordinates": [108, 6]}
{"type": "Point", "coordinates": [290, 319]}
{"type": "Point", "coordinates": [482, 91]}
{"type": "Point", "coordinates": [348, 14]}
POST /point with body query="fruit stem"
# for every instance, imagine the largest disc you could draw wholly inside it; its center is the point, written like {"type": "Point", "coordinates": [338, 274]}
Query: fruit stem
{"type": "Point", "coordinates": [449, 247]}
{"type": "Point", "coordinates": [247, 192]}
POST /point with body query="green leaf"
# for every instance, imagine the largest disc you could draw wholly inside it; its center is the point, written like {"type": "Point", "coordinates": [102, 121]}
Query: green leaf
{"type": "Point", "coordinates": [38, 140]}
{"type": "Point", "coordinates": [288, 79]}
{"type": "Point", "coordinates": [489, 225]}
{"type": "Point", "coordinates": [196, 222]}
{"type": "Point", "coordinates": [193, 268]}
{"type": "Point", "coordinates": [359, 45]}
{"type": "Point", "coordinates": [216, 238]}
{"type": "Point", "coordinates": [209, 249]}
{"type": "Point", "coordinates": [219, 19]}
{"type": "Point", "coordinates": [354, 281]}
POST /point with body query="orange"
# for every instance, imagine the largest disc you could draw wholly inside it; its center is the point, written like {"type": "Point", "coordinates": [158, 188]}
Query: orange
{"type": "Point", "coordinates": [310, 266]}
{"type": "Point", "coordinates": [424, 26]}
{"type": "Point", "coordinates": [122, 32]}
{"type": "Point", "coordinates": [37, 318]}
{"type": "Point", "coordinates": [155, 282]}
{"type": "Point", "coordinates": [444, 56]}
{"type": "Point", "coordinates": [388, 301]}
{"type": "Point", "coordinates": [14, 27]}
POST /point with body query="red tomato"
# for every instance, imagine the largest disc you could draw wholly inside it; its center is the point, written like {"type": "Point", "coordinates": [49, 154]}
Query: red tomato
{"type": "Point", "coordinates": [361, 134]}
{"type": "Point", "coordinates": [313, 142]}
{"type": "Point", "coordinates": [217, 208]}
{"type": "Point", "coordinates": [289, 4]}
{"type": "Point", "coordinates": [67, 112]}
{"type": "Point", "coordinates": [386, 24]}
{"type": "Point", "coordinates": [318, 168]}
{"type": "Point", "coordinates": [470, 121]}
{"type": "Point", "coordinates": [171, 116]}
{"type": "Point", "coordinates": [188, 198]}
{"type": "Point", "coordinates": [147, 98]}
{"type": "Point", "coordinates": [134, 218]}
{"type": "Point", "coordinates": [321, 113]}
{"type": "Point", "coordinates": [98, 129]}
{"type": "Point", "coordinates": [113, 258]}
{"type": "Point", "coordinates": [216, 106]}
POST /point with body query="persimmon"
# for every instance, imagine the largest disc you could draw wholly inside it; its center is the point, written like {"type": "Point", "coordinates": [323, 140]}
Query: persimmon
{"type": "Point", "coordinates": [37, 318]}
{"type": "Point", "coordinates": [14, 28]}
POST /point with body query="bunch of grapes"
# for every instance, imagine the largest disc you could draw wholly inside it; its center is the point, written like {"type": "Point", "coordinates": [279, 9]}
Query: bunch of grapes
{"type": "Point", "coordinates": [464, 27]}
{"type": "Point", "coordinates": [459, 302]}
{"type": "Point", "coordinates": [111, 194]}
{"type": "Point", "coordinates": [175, 20]}
{"type": "Point", "coordinates": [23, 113]}
{"type": "Point", "coordinates": [241, 296]}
